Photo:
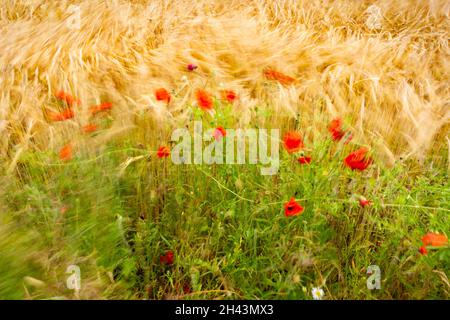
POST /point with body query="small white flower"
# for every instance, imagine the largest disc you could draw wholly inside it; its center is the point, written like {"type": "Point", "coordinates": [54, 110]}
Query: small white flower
{"type": "Point", "coordinates": [184, 78]}
{"type": "Point", "coordinates": [317, 293]}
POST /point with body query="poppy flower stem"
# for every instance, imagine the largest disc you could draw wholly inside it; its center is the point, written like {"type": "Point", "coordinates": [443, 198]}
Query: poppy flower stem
{"type": "Point", "coordinates": [221, 185]}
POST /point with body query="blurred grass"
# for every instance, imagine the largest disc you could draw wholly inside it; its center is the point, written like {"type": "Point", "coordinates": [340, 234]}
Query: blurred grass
{"type": "Point", "coordinates": [115, 228]}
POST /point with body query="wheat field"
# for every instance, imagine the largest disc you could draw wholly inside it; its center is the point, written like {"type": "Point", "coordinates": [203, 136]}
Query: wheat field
{"type": "Point", "coordinates": [390, 83]}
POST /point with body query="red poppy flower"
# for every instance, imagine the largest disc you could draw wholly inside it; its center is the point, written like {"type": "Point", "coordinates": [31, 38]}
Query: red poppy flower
{"type": "Point", "coordinates": [101, 107]}
{"type": "Point", "coordinates": [163, 152]}
{"type": "Point", "coordinates": [304, 160]}
{"type": "Point", "coordinates": [358, 160]}
{"type": "Point", "coordinates": [219, 132]}
{"type": "Point", "coordinates": [68, 98]}
{"type": "Point", "coordinates": [293, 141]}
{"type": "Point", "coordinates": [65, 153]}
{"type": "Point", "coordinates": [71, 100]}
{"type": "Point", "coordinates": [423, 250]}
{"type": "Point", "coordinates": [61, 116]}
{"type": "Point", "coordinates": [335, 129]}
{"type": "Point", "coordinates": [191, 67]}
{"type": "Point", "coordinates": [364, 202]}
{"type": "Point", "coordinates": [204, 99]}
{"type": "Point", "coordinates": [90, 128]}
{"type": "Point", "coordinates": [61, 95]}
{"type": "Point", "coordinates": [229, 95]}
{"type": "Point", "coordinates": [337, 133]}
{"type": "Point", "coordinates": [292, 208]}
{"type": "Point", "coordinates": [278, 76]}
{"type": "Point", "coordinates": [434, 239]}
{"type": "Point", "coordinates": [162, 95]}
{"type": "Point", "coordinates": [167, 258]}
{"type": "Point", "coordinates": [335, 125]}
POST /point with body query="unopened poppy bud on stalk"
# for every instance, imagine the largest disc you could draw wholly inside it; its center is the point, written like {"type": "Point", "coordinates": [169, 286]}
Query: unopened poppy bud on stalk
{"type": "Point", "coordinates": [229, 95]}
{"type": "Point", "coordinates": [423, 250]}
{"type": "Point", "coordinates": [364, 202]}
{"type": "Point", "coordinates": [191, 67]}
{"type": "Point", "coordinates": [304, 160]}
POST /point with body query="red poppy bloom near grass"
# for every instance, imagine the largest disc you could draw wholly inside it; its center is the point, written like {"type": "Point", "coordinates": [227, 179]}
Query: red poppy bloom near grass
{"type": "Point", "coordinates": [358, 160]}
{"type": "Point", "coordinates": [219, 132]}
{"type": "Point", "coordinates": [65, 153]}
{"type": "Point", "coordinates": [304, 160]}
{"type": "Point", "coordinates": [163, 152]}
{"type": "Point", "coordinates": [292, 208]}
{"type": "Point", "coordinates": [434, 239]}
{"type": "Point", "coordinates": [61, 95]}
{"type": "Point", "coordinates": [293, 141]}
{"type": "Point", "coordinates": [204, 99]}
{"type": "Point", "coordinates": [229, 95]}
{"type": "Point", "coordinates": [61, 116]}
{"type": "Point", "coordinates": [167, 258]}
{"type": "Point", "coordinates": [364, 202]}
{"type": "Point", "coordinates": [278, 76]}
{"type": "Point", "coordinates": [68, 98]}
{"type": "Point", "coordinates": [89, 128]}
{"type": "Point", "coordinates": [101, 107]}
{"type": "Point", "coordinates": [336, 130]}
{"type": "Point", "coordinates": [162, 95]}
